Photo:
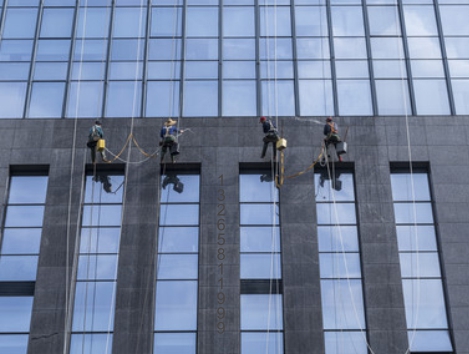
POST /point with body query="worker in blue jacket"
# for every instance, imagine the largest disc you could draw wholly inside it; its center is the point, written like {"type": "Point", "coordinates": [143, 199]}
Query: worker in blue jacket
{"type": "Point", "coordinates": [169, 135]}
{"type": "Point", "coordinates": [96, 133]}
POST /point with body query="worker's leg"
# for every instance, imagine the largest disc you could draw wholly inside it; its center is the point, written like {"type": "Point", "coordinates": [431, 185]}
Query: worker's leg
{"type": "Point", "coordinates": [175, 148]}
{"type": "Point", "coordinates": [264, 149]}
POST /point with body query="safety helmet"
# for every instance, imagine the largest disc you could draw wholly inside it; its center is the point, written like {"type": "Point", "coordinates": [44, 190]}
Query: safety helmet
{"type": "Point", "coordinates": [169, 122]}
{"type": "Point", "coordinates": [262, 119]}
{"type": "Point", "coordinates": [329, 119]}
{"type": "Point", "coordinates": [97, 122]}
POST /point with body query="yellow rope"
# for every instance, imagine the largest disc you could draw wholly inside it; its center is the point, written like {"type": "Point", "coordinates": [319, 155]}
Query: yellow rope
{"type": "Point", "coordinates": [309, 168]}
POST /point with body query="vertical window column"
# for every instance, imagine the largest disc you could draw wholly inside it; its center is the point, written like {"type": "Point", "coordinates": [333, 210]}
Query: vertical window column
{"type": "Point", "coordinates": [19, 253]}
{"type": "Point", "coordinates": [177, 270]}
{"type": "Point", "coordinates": [425, 307]}
{"type": "Point", "coordinates": [260, 266]}
{"type": "Point", "coordinates": [93, 314]}
{"type": "Point", "coordinates": [339, 262]}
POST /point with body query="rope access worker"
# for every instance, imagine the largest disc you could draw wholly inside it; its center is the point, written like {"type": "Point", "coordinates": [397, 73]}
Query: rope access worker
{"type": "Point", "coordinates": [169, 134]}
{"type": "Point", "coordinates": [270, 136]}
{"type": "Point", "coordinates": [96, 133]}
{"type": "Point", "coordinates": [331, 132]}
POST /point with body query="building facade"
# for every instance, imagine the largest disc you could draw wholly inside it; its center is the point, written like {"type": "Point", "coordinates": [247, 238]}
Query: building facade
{"type": "Point", "coordinates": [214, 253]}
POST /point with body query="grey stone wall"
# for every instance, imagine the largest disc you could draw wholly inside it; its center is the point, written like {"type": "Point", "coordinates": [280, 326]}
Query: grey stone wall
{"type": "Point", "coordinates": [218, 146]}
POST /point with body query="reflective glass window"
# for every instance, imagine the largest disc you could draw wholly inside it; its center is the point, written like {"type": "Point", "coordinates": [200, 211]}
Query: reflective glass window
{"type": "Point", "coordinates": [46, 100]}
{"type": "Point", "coordinates": [239, 98]}
{"type": "Point", "coordinates": [318, 69]}
{"type": "Point", "coordinates": [457, 47]}
{"type": "Point", "coordinates": [129, 22]}
{"type": "Point", "coordinates": [238, 21]}
{"type": "Point", "coordinates": [201, 70]}
{"type": "Point", "coordinates": [57, 22]}
{"type": "Point", "coordinates": [427, 68]}
{"type": "Point", "coordinates": [85, 99]}
{"type": "Point", "coordinates": [201, 98]}
{"type": "Point", "coordinates": [424, 297]}
{"type": "Point", "coordinates": [458, 68]}
{"type": "Point", "coordinates": [93, 22]}
{"type": "Point", "coordinates": [53, 50]}
{"type": "Point", "coordinates": [239, 69]}
{"type": "Point", "coordinates": [202, 22]}
{"type": "Point", "coordinates": [14, 343]}
{"type": "Point", "coordinates": [95, 343]}
{"type": "Point", "coordinates": [313, 91]}
{"type": "Point", "coordinates": [177, 263]}
{"type": "Point", "coordinates": [339, 262]}
{"type": "Point", "coordinates": [15, 313]}
{"type": "Point", "coordinates": [164, 49]}
{"type": "Point", "coordinates": [393, 97]}
{"type": "Point", "coordinates": [387, 48]}
{"type": "Point", "coordinates": [162, 99]}
{"type": "Point", "coordinates": [20, 23]}
{"type": "Point", "coordinates": [123, 99]}
{"type": "Point", "coordinates": [88, 71]}
{"type": "Point", "coordinates": [99, 243]}
{"type": "Point", "coordinates": [176, 305]}
{"type": "Point", "coordinates": [350, 48]}
{"type": "Point", "coordinates": [424, 48]}
{"type": "Point", "coordinates": [202, 49]}
{"type": "Point", "coordinates": [169, 70]}
{"type": "Point", "coordinates": [454, 20]}
{"type": "Point", "coordinates": [50, 71]}
{"type": "Point", "coordinates": [14, 71]}
{"type": "Point", "coordinates": [181, 343]}
{"type": "Point", "coordinates": [127, 49]}
{"type": "Point", "coordinates": [311, 21]}
{"type": "Point", "coordinates": [255, 342]}
{"type": "Point", "coordinates": [16, 50]}
{"type": "Point", "coordinates": [312, 48]}
{"type": "Point", "coordinates": [354, 97]}
{"type": "Point", "coordinates": [166, 22]}
{"type": "Point", "coordinates": [384, 20]}
{"type": "Point", "coordinates": [461, 96]}
{"type": "Point", "coordinates": [278, 98]}
{"type": "Point", "coordinates": [276, 69]}
{"type": "Point", "coordinates": [431, 97]}
{"type": "Point", "coordinates": [260, 312]}
{"type": "Point", "coordinates": [132, 70]}
{"type": "Point", "coordinates": [347, 21]}
{"type": "Point", "coordinates": [12, 99]}
{"type": "Point", "coordinates": [346, 69]}
{"type": "Point", "coordinates": [275, 21]}
{"type": "Point", "coordinates": [260, 260]}
{"type": "Point", "coordinates": [90, 49]}
{"type": "Point", "coordinates": [420, 20]}
{"type": "Point", "coordinates": [239, 49]}
{"type": "Point", "coordinates": [389, 69]}
{"type": "Point", "coordinates": [275, 48]}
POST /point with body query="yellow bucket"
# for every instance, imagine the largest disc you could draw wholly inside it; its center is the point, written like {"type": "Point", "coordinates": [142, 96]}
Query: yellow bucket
{"type": "Point", "coordinates": [101, 145]}
{"type": "Point", "coordinates": [281, 144]}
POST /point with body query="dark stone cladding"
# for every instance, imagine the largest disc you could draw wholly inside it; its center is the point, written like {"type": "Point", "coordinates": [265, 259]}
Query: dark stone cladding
{"type": "Point", "coordinates": [216, 146]}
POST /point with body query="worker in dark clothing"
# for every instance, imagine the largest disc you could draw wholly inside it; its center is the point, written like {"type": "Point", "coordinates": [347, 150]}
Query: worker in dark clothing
{"type": "Point", "coordinates": [270, 136]}
{"type": "Point", "coordinates": [169, 135]}
{"type": "Point", "coordinates": [96, 133]}
{"type": "Point", "coordinates": [331, 132]}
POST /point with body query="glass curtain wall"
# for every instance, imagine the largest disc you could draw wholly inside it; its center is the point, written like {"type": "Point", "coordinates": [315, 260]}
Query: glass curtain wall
{"type": "Point", "coordinates": [241, 58]}
{"type": "Point", "coordinates": [177, 265]}
{"type": "Point", "coordinates": [93, 313]}
{"type": "Point", "coordinates": [19, 253]}
{"type": "Point", "coordinates": [260, 265]}
{"type": "Point", "coordinates": [339, 262]}
{"type": "Point", "coordinates": [424, 298]}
